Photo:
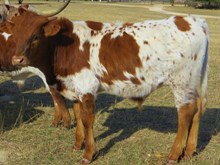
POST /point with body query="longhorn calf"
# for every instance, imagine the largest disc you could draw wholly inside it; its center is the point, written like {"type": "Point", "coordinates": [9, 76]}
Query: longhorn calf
{"type": "Point", "coordinates": [130, 60]}
{"type": "Point", "coordinates": [7, 48]}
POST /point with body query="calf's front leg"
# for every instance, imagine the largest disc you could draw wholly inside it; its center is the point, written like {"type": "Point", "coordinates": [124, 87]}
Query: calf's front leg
{"type": "Point", "coordinates": [87, 113]}
{"type": "Point", "coordinates": [80, 134]}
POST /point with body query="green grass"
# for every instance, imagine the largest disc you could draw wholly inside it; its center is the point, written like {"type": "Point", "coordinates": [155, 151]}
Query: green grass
{"type": "Point", "coordinates": [123, 134]}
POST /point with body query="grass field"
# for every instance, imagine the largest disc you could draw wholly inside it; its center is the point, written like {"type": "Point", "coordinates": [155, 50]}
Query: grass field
{"type": "Point", "coordinates": [191, 10]}
{"type": "Point", "coordinates": [124, 135]}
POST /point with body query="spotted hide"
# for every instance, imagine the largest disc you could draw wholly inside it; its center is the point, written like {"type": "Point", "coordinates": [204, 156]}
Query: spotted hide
{"type": "Point", "coordinates": [129, 60]}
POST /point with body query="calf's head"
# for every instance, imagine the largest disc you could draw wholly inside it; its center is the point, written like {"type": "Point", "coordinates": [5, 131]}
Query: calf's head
{"type": "Point", "coordinates": [15, 32]}
{"type": "Point", "coordinates": [30, 30]}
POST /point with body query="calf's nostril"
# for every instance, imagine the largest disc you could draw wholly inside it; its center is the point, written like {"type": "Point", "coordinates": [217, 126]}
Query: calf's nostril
{"type": "Point", "coordinates": [16, 60]}
{"type": "Point", "coordinates": [21, 61]}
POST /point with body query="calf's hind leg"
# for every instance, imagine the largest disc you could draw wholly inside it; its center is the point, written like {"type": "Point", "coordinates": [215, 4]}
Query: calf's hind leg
{"type": "Point", "coordinates": [185, 116]}
{"type": "Point", "coordinates": [193, 133]}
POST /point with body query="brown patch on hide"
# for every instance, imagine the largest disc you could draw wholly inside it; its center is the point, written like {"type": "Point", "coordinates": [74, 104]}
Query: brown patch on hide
{"type": "Point", "coordinates": [146, 42]}
{"type": "Point", "coordinates": [182, 24]}
{"type": "Point", "coordinates": [94, 25]}
{"type": "Point", "coordinates": [60, 86]}
{"type": "Point", "coordinates": [135, 80]}
{"type": "Point", "coordinates": [119, 55]}
{"type": "Point", "coordinates": [127, 24]}
{"type": "Point", "coordinates": [71, 59]}
{"type": "Point", "coordinates": [204, 30]}
{"type": "Point", "coordinates": [142, 78]}
{"type": "Point", "coordinates": [195, 57]}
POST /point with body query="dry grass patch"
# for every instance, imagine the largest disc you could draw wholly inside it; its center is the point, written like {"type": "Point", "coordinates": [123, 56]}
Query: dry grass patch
{"type": "Point", "coordinates": [191, 10]}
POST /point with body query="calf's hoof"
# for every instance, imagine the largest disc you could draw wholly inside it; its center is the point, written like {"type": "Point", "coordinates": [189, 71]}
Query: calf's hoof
{"type": "Point", "coordinates": [79, 146]}
{"type": "Point", "coordinates": [60, 123]}
{"type": "Point", "coordinates": [170, 162]}
{"type": "Point", "coordinates": [189, 155]}
{"type": "Point", "coordinates": [66, 125]}
{"type": "Point", "coordinates": [76, 148]}
{"type": "Point", "coordinates": [54, 125]}
{"type": "Point", "coordinates": [85, 161]}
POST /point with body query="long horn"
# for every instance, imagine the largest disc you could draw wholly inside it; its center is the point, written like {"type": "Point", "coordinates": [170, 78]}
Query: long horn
{"type": "Point", "coordinates": [53, 13]}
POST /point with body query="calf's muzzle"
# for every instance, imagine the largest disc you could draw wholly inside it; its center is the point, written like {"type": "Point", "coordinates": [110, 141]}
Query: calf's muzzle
{"type": "Point", "coordinates": [19, 60]}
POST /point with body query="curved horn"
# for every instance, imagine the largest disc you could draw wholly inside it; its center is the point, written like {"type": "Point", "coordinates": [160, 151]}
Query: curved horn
{"type": "Point", "coordinates": [53, 13]}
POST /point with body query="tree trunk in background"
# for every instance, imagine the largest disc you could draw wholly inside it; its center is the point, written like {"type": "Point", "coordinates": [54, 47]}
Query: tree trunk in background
{"type": "Point", "coordinates": [20, 1]}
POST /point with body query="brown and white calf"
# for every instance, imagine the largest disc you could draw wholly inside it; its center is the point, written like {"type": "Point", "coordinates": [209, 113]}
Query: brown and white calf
{"type": "Point", "coordinates": [130, 60]}
{"type": "Point", "coordinates": [7, 49]}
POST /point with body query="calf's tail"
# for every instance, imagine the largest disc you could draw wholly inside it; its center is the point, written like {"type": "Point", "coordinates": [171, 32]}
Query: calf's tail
{"type": "Point", "coordinates": [203, 86]}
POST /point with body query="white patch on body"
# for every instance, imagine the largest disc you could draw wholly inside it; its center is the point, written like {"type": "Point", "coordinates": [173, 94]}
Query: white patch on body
{"type": "Point", "coordinates": [80, 84]}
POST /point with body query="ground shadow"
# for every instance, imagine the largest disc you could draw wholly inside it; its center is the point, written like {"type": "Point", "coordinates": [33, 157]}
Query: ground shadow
{"type": "Point", "coordinates": [17, 107]}
{"type": "Point", "coordinates": [128, 121]}
{"type": "Point", "coordinates": [162, 119]}
{"type": "Point", "coordinates": [14, 114]}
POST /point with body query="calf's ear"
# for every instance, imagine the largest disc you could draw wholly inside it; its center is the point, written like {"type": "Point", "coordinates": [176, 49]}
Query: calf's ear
{"type": "Point", "coordinates": [26, 6]}
{"type": "Point", "coordinates": [7, 6]}
{"type": "Point", "coordinates": [51, 28]}
{"type": "Point", "coordinates": [22, 9]}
